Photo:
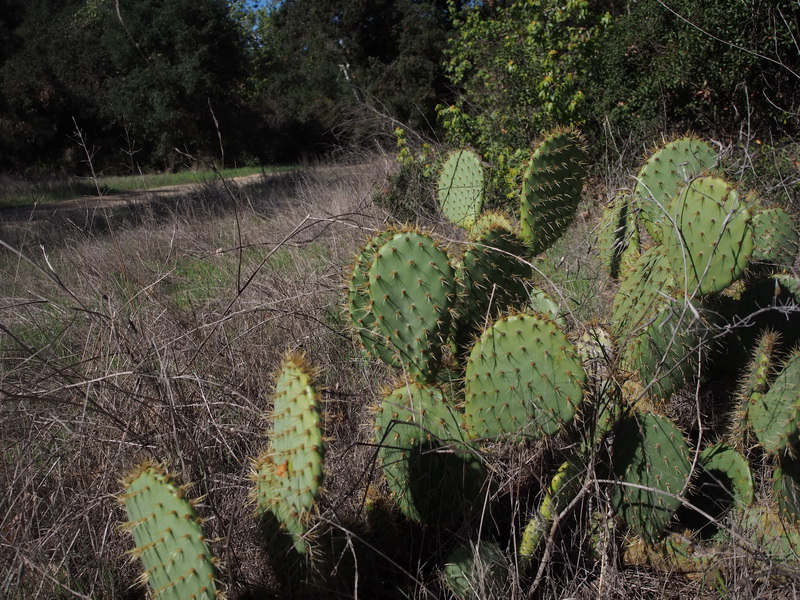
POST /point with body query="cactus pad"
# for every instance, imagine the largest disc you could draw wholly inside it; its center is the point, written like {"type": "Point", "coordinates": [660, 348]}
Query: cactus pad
{"type": "Point", "coordinates": [775, 416]}
{"type": "Point", "coordinates": [460, 189]}
{"type": "Point", "coordinates": [523, 379]}
{"type": "Point", "coordinates": [412, 286]}
{"type": "Point", "coordinates": [641, 293]}
{"type": "Point", "coordinates": [359, 303]}
{"type": "Point", "coordinates": [434, 475]}
{"type": "Point", "coordinates": [551, 188]}
{"type": "Point", "coordinates": [664, 173]}
{"type": "Point", "coordinates": [651, 461]}
{"type": "Point", "coordinates": [777, 238]}
{"type": "Point", "coordinates": [177, 562]}
{"type": "Point", "coordinates": [494, 280]}
{"type": "Point", "coordinates": [287, 478]}
{"type": "Point", "coordinates": [710, 241]}
{"type": "Point", "coordinates": [666, 352]}
{"type": "Point", "coordinates": [617, 235]}
{"type": "Point", "coordinates": [786, 488]}
{"type": "Point", "coordinates": [477, 572]}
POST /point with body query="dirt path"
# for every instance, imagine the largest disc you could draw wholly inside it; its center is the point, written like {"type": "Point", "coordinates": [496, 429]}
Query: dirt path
{"type": "Point", "coordinates": [93, 203]}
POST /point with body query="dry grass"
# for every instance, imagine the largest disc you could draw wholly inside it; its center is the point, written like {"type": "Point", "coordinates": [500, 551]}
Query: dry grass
{"type": "Point", "coordinates": [155, 333]}
{"type": "Point", "coordinates": [160, 340]}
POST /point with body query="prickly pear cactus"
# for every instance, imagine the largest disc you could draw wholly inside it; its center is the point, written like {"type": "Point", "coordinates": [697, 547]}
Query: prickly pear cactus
{"type": "Point", "coordinates": [775, 416]}
{"type": "Point", "coordinates": [786, 488]}
{"type": "Point", "coordinates": [178, 564]}
{"type": "Point", "coordinates": [754, 382]}
{"type": "Point", "coordinates": [667, 351]}
{"type": "Point", "coordinates": [413, 290]}
{"type": "Point", "coordinates": [493, 280]}
{"type": "Point", "coordinates": [475, 572]}
{"type": "Point", "coordinates": [287, 478]}
{"type": "Point", "coordinates": [708, 239]}
{"type": "Point", "coordinates": [488, 221]}
{"type": "Point", "coordinates": [778, 239]}
{"type": "Point", "coordinates": [652, 464]}
{"type": "Point", "coordinates": [460, 188]}
{"type": "Point", "coordinates": [563, 488]}
{"type": "Point", "coordinates": [641, 293]}
{"type": "Point", "coordinates": [523, 379]}
{"type": "Point", "coordinates": [551, 188]}
{"type": "Point", "coordinates": [434, 476]}
{"type": "Point", "coordinates": [665, 172]}
{"type": "Point", "coordinates": [359, 303]}
{"type": "Point", "coordinates": [617, 234]}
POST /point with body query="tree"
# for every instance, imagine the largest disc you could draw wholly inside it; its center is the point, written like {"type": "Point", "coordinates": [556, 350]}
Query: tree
{"type": "Point", "coordinates": [155, 69]}
{"type": "Point", "coordinates": [320, 59]}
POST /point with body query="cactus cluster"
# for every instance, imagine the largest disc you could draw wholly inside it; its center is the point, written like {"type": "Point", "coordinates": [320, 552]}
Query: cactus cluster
{"type": "Point", "coordinates": [484, 360]}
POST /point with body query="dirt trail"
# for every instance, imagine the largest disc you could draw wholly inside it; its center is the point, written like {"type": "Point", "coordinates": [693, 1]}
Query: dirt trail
{"type": "Point", "coordinates": [93, 203]}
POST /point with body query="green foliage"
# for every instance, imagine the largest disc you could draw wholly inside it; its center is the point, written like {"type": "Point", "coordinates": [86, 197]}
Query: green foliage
{"type": "Point", "coordinates": [521, 68]}
{"type": "Point", "coordinates": [169, 541]}
{"type": "Point", "coordinates": [683, 65]}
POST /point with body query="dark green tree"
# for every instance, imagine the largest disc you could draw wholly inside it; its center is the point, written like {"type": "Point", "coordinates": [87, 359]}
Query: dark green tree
{"type": "Point", "coordinates": [153, 70]}
{"type": "Point", "coordinates": [320, 63]}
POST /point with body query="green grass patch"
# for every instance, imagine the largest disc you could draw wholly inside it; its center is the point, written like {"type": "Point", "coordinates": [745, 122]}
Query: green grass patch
{"type": "Point", "coordinates": [16, 191]}
{"type": "Point", "coordinates": [195, 280]}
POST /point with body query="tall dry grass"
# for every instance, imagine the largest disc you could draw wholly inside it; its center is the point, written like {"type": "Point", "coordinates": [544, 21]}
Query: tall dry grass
{"type": "Point", "coordinates": [155, 335]}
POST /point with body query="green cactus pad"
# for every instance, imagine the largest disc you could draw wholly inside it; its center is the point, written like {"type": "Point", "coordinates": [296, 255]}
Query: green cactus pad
{"type": "Point", "coordinates": [540, 302]}
{"type": "Point", "coordinates": [651, 462]}
{"type": "Point", "coordinates": [724, 482]}
{"type": "Point", "coordinates": [460, 188]}
{"type": "Point", "coordinates": [775, 416]}
{"type": "Point", "coordinates": [487, 221]}
{"type": "Point", "coordinates": [359, 303]}
{"type": "Point", "coordinates": [177, 562]}
{"type": "Point", "coordinates": [551, 188]}
{"type": "Point", "coordinates": [564, 487]}
{"type": "Point", "coordinates": [708, 239]}
{"type": "Point", "coordinates": [617, 234]}
{"type": "Point", "coordinates": [777, 238]}
{"type": "Point", "coordinates": [523, 379]}
{"type": "Point", "coordinates": [288, 477]}
{"type": "Point", "coordinates": [754, 382]}
{"type": "Point", "coordinates": [434, 475]}
{"type": "Point", "coordinates": [412, 287]}
{"type": "Point", "coordinates": [493, 279]}
{"type": "Point", "coordinates": [667, 351]}
{"type": "Point", "coordinates": [786, 488]}
{"type": "Point", "coordinates": [665, 172]}
{"type": "Point", "coordinates": [475, 572]}
{"type": "Point", "coordinates": [641, 293]}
